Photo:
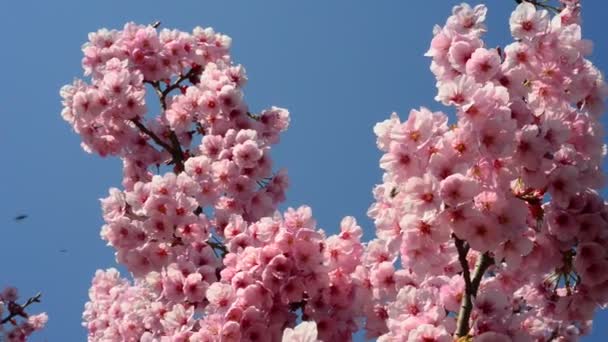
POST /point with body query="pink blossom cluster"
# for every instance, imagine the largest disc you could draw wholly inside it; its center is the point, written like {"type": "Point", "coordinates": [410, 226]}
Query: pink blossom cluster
{"type": "Point", "coordinates": [502, 205]}
{"type": "Point", "coordinates": [206, 131]}
{"type": "Point", "coordinates": [276, 269]}
{"type": "Point", "coordinates": [166, 225]}
{"type": "Point", "coordinates": [152, 307]}
{"type": "Point", "coordinates": [207, 118]}
{"type": "Point", "coordinates": [16, 324]}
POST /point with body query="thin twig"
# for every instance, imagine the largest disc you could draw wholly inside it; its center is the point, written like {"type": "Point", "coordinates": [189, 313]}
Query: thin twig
{"type": "Point", "coordinates": [541, 5]}
{"type": "Point", "coordinates": [175, 85]}
{"type": "Point", "coordinates": [253, 116]}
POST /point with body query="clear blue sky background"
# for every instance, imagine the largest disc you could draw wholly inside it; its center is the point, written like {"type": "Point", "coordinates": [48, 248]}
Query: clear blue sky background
{"type": "Point", "coordinates": [338, 66]}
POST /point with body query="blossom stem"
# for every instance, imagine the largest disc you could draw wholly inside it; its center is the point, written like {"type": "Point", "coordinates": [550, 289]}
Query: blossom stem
{"type": "Point", "coordinates": [471, 283]}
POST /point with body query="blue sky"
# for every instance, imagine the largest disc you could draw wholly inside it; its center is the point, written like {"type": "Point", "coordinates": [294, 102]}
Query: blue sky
{"type": "Point", "coordinates": [338, 66]}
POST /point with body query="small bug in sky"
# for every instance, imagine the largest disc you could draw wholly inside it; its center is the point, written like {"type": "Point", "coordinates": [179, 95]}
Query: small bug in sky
{"type": "Point", "coordinates": [20, 217]}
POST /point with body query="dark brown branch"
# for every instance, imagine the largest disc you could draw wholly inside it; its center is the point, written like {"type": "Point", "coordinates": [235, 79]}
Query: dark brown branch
{"type": "Point", "coordinates": [34, 299]}
{"type": "Point", "coordinates": [471, 284]}
{"type": "Point", "coordinates": [178, 154]}
{"type": "Point", "coordinates": [480, 269]}
{"type": "Point", "coordinates": [151, 134]}
{"type": "Point", "coordinates": [253, 116]}
{"type": "Point", "coordinates": [463, 250]}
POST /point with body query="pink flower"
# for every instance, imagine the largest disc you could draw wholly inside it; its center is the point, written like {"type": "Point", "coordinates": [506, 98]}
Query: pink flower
{"type": "Point", "coordinates": [9, 294]}
{"type": "Point", "coordinates": [419, 127]}
{"type": "Point", "coordinates": [178, 319]}
{"type": "Point", "coordinates": [526, 22]}
{"type": "Point", "coordinates": [423, 229]}
{"type": "Point", "coordinates": [492, 337]}
{"type": "Point", "coordinates": [383, 278]}
{"type": "Point", "coordinates": [37, 322]}
{"type": "Point", "coordinates": [530, 148]}
{"type": "Point", "coordinates": [458, 189]}
{"type": "Point", "coordinates": [383, 131]}
{"type": "Point", "coordinates": [457, 92]}
{"type": "Point", "coordinates": [513, 250]}
{"type": "Point", "coordinates": [446, 162]}
{"type": "Point", "coordinates": [480, 233]}
{"type": "Point", "coordinates": [451, 293]}
{"type": "Point", "coordinates": [296, 219]}
{"type": "Point", "coordinates": [460, 52]}
{"type": "Point", "coordinates": [114, 205]}
{"type": "Point", "coordinates": [292, 291]}
{"type": "Point", "coordinates": [487, 102]}
{"type": "Point", "coordinates": [199, 168]}
{"type": "Point", "coordinates": [231, 332]}
{"type": "Point", "coordinates": [563, 185]}
{"type": "Point", "coordinates": [428, 332]}
{"type": "Point", "coordinates": [194, 287]}
{"type": "Point", "coordinates": [560, 223]}
{"type": "Point", "coordinates": [349, 230]}
{"type": "Point", "coordinates": [589, 262]}
{"type": "Point", "coordinates": [421, 194]}
{"type": "Point", "coordinates": [247, 154]}
{"type": "Point", "coordinates": [304, 332]}
{"type": "Point", "coordinates": [220, 295]}
{"type": "Point", "coordinates": [280, 266]}
{"type": "Point", "coordinates": [491, 303]}
{"type": "Point", "coordinates": [483, 64]}
{"type": "Point", "coordinates": [402, 161]}
{"type": "Point", "coordinates": [467, 20]}
{"type": "Point", "coordinates": [496, 138]}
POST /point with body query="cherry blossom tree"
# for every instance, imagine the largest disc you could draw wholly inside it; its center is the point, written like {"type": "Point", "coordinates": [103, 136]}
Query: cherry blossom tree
{"type": "Point", "coordinates": [489, 225]}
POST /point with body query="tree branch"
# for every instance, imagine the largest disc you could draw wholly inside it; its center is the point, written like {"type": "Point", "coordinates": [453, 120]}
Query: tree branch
{"type": "Point", "coordinates": [191, 73]}
{"type": "Point", "coordinates": [175, 148]}
{"type": "Point", "coordinates": [463, 250]}
{"type": "Point", "coordinates": [151, 134]}
{"type": "Point", "coordinates": [13, 314]}
{"type": "Point", "coordinates": [178, 154]}
{"type": "Point", "coordinates": [471, 285]}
